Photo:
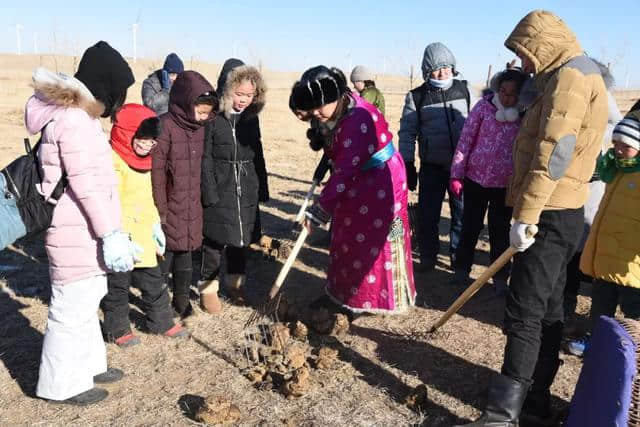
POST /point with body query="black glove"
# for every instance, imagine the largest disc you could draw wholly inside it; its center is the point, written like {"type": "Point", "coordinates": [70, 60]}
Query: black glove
{"type": "Point", "coordinates": [316, 140]}
{"type": "Point", "coordinates": [412, 176]}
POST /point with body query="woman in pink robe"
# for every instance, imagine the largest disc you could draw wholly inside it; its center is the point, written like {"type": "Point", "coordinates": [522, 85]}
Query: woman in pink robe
{"type": "Point", "coordinates": [370, 265]}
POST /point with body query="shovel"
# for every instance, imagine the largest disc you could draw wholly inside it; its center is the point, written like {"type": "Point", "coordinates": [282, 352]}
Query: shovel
{"type": "Point", "coordinates": [532, 230]}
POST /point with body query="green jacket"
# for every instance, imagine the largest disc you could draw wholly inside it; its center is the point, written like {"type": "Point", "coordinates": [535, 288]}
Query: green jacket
{"type": "Point", "coordinates": [373, 96]}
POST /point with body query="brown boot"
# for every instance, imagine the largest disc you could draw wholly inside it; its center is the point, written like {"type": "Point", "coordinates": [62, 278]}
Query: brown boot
{"type": "Point", "coordinates": [209, 301]}
{"type": "Point", "coordinates": [235, 284]}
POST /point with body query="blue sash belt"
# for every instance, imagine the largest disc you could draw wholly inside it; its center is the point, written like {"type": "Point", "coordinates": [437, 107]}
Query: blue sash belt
{"type": "Point", "coordinates": [379, 157]}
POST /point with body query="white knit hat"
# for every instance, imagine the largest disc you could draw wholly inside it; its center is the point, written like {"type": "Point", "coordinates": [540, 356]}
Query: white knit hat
{"type": "Point", "coordinates": [627, 131]}
{"type": "Point", "coordinates": [360, 74]}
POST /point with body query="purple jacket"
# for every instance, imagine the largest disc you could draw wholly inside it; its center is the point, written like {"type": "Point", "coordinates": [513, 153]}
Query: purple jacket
{"type": "Point", "coordinates": [484, 151]}
{"type": "Point", "coordinates": [74, 141]}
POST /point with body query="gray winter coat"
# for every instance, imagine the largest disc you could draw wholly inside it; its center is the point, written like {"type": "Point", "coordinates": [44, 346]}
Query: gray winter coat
{"type": "Point", "coordinates": [153, 96]}
{"type": "Point", "coordinates": [437, 122]}
{"type": "Point", "coordinates": [438, 128]}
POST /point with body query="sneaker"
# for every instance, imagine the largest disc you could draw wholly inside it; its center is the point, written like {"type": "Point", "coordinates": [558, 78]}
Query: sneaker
{"type": "Point", "coordinates": [86, 398]}
{"type": "Point", "coordinates": [128, 340]}
{"type": "Point", "coordinates": [177, 331]}
{"type": "Point", "coordinates": [111, 375]}
{"type": "Point", "coordinates": [578, 347]}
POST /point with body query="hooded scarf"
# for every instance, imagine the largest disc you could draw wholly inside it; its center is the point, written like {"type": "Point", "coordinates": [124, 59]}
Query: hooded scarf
{"type": "Point", "coordinates": [185, 91]}
{"type": "Point", "coordinates": [106, 74]}
{"type": "Point", "coordinates": [130, 120]}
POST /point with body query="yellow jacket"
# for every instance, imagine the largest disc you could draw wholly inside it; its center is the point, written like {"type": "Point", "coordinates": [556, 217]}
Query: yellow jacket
{"type": "Point", "coordinates": [139, 212]}
{"type": "Point", "coordinates": [612, 251]}
{"type": "Point", "coordinates": [555, 151]}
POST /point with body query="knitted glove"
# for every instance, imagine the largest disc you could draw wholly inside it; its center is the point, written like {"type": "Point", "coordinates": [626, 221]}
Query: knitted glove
{"type": "Point", "coordinates": [412, 176]}
{"type": "Point", "coordinates": [119, 252]}
{"type": "Point", "coordinates": [165, 81]}
{"type": "Point", "coordinates": [456, 186]}
{"type": "Point", "coordinates": [518, 237]}
{"type": "Point", "coordinates": [159, 238]}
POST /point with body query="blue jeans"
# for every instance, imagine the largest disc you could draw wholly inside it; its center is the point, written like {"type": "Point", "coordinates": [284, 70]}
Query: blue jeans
{"type": "Point", "coordinates": [11, 225]}
{"type": "Point", "coordinates": [434, 182]}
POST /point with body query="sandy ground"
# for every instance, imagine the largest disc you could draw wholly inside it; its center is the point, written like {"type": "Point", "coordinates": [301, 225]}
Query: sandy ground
{"type": "Point", "coordinates": [380, 360]}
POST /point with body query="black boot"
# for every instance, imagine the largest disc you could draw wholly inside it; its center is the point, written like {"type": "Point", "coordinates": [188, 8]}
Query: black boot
{"type": "Point", "coordinates": [504, 403]}
{"type": "Point", "coordinates": [181, 289]}
{"type": "Point", "coordinates": [86, 398]}
{"type": "Point", "coordinates": [111, 375]}
{"type": "Point", "coordinates": [536, 410]}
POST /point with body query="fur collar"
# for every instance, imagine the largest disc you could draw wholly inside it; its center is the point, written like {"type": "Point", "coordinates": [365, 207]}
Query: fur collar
{"type": "Point", "coordinates": [66, 91]}
{"type": "Point", "coordinates": [236, 76]}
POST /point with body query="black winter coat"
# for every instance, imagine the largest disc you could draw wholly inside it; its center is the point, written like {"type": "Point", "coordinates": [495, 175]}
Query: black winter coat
{"type": "Point", "coordinates": [234, 179]}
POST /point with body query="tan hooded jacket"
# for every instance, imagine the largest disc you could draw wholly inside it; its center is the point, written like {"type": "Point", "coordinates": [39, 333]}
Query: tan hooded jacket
{"type": "Point", "coordinates": [561, 134]}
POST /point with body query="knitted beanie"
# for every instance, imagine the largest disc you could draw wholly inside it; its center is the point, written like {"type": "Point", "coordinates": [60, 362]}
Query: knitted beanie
{"type": "Point", "coordinates": [173, 64]}
{"type": "Point", "coordinates": [106, 74]}
{"type": "Point", "coordinates": [627, 132]}
{"type": "Point", "coordinates": [360, 74]}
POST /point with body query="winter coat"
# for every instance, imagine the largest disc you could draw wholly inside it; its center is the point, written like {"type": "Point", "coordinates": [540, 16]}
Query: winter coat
{"type": "Point", "coordinates": [611, 251]}
{"type": "Point", "coordinates": [73, 141]}
{"type": "Point", "coordinates": [153, 95]}
{"type": "Point", "coordinates": [177, 163]}
{"type": "Point", "coordinates": [139, 213]}
{"type": "Point", "coordinates": [561, 133]}
{"type": "Point", "coordinates": [374, 97]}
{"type": "Point", "coordinates": [484, 150]}
{"type": "Point", "coordinates": [234, 176]}
{"type": "Point", "coordinates": [437, 128]}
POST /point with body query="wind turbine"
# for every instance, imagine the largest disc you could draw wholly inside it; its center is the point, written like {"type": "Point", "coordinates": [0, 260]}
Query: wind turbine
{"type": "Point", "coordinates": [134, 32]}
{"type": "Point", "coordinates": [18, 31]}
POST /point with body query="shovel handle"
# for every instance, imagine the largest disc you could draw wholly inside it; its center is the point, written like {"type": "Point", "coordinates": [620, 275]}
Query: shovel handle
{"type": "Point", "coordinates": [532, 230]}
{"type": "Point", "coordinates": [288, 263]}
{"type": "Point", "coordinates": [307, 198]}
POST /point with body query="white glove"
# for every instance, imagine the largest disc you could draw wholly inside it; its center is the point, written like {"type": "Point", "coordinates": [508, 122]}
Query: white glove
{"type": "Point", "coordinates": [518, 237]}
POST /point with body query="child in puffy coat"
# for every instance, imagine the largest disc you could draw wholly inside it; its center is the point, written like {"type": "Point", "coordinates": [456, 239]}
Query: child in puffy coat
{"type": "Point", "coordinates": [85, 239]}
{"type": "Point", "coordinates": [133, 136]}
{"type": "Point", "coordinates": [176, 169]}
{"type": "Point", "coordinates": [234, 181]}
{"type": "Point", "coordinates": [610, 255]}
{"type": "Point", "coordinates": [482, 165]}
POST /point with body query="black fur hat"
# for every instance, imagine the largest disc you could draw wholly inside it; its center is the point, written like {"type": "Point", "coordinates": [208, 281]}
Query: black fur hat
{"type": "Point", "coordinates": [148, 129]}
{"type": "Point", "coordinates": [317, 86]}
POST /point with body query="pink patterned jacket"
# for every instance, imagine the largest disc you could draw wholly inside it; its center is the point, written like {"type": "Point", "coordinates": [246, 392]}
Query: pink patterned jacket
{"type": "Point", "coordinates": [484, 151]}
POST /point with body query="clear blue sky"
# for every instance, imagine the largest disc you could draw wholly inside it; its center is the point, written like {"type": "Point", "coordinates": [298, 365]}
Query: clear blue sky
{"type": "Point", "coordinates": [287, 35]}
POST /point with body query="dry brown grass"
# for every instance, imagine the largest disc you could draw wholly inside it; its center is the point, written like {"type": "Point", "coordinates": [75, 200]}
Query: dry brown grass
{"type": "Point", "coordinates": [381, 359]}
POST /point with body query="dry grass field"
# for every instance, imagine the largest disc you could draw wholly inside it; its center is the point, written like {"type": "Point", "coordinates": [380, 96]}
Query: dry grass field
{"type": "Point", "coordinates": [379, 361]}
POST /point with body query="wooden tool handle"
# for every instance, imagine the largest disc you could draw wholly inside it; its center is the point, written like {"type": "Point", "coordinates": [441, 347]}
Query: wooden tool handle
{"type": "Point", "coordinates": [532, 230]}
{"type": "Point", "coordinates": [288, 263]}
{"type": "Point", "coordinates": [307, 198]}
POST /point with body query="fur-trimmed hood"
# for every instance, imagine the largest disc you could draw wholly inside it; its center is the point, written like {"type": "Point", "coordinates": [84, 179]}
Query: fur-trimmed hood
{"type": "Point", "coordinates": [55, 91]}
{"type": "Point", "coordinates": [234, 76]}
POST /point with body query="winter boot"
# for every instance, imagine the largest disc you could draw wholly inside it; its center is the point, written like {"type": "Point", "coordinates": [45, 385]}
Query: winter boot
{"type": "Point", "coordinates": [209, 301]}
{"type": "Point", "coordinates": [235, 285]}
{"type": "Point", "coordinates": [85, 398]}
{"type": "Point", "coordinates": [504, 403]}
{"type": "Point", "coordinates": [536, 410]}
{"type": "Point", "coordinates": [111, 375]}
{"type": "Point", "coordinates": [181, 288]}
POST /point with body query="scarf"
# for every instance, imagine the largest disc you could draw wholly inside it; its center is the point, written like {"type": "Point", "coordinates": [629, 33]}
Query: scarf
{"type": "Point", "coordinates": [441, 84]}
{"type": "Point", "coordinates": [609, 165]}
{"type": "Point", "coordinates": [504, 114]}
